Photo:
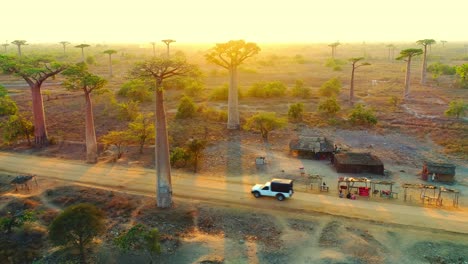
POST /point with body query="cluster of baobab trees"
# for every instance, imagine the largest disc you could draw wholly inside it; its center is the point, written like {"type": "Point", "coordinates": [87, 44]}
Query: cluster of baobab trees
{"type": "Point", "coordinates": [227, 55]}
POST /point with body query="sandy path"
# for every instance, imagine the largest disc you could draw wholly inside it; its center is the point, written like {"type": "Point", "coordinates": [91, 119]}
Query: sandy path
{"type": "Point", "coordinates": [233, 192]}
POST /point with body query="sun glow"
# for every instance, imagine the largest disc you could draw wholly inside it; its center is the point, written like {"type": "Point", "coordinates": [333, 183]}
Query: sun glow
{"type": "Point", "coordinates": [210, 21]}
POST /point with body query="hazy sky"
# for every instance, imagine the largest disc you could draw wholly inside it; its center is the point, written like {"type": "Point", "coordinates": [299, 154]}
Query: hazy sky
{"type": "Point", "coordinates": [98, 21]}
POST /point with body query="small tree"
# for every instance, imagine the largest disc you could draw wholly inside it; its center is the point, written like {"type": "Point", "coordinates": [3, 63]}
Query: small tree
{"type": "Point", "coordinates": [17, 126]}
{"type": "Point", "coordinates": [456, 108]}
{"type": "Point", "coordinates": [296, 111]}
{"type": "Point", "coordinates": [119, 139]}
{"type": "Point", "coordinates": [140, 238]}
{"type": "Point", "coordinates": [363, 116]}
{"type": "Point", "coordinates": [264, 122]}
{"type": "Point", "coordinates": [7, 106]}
{"type": "Point", "coordinates": [77, 226]}
{"type": "Point", "coordinates": [186, 109]}
{"type": "Point", "coordinates": [329, 106]}
{"type": "Point", "coordinates": [330, 88]}
{"type": "Point", "coordinates": [64, 45]}
{"type": "Point", "coordinates": [195, 148]}
{"type": "Point", "coordinates": [179, 157]}
{"type": "Point", "coordinates": [142, 129]}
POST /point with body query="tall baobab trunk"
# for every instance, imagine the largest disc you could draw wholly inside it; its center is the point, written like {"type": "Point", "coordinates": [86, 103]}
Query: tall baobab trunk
{"type": "Point", "coordinates": [91, 143]}
{"type": "Point", "coordinates": [351, 89]}
{"type": "Point", "coordinates": [424, 66]}
{"type": "Point", "coordinates": [110, 65]}
{"type": "Point", "coordinates": [40, 131]}
{"type": "Point", "coordinates": [407, 78]}
{"type": "Point", "coordinates": [82, 55]}
{"type": "Point", "coordinates": [233, 109]}
{"type": "Point", "coordinates": [163, 166]}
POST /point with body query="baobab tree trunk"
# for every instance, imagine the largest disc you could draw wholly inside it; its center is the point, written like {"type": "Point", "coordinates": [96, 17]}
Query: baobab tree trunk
{"type": "Point", "coordinates": [424, 66]}
{"type": "Point", "coordinates": [19, 50]}
{"type": "Point", "coordinates": [163, 166]}
{"type": "Point", "coordinates": [407, 78]}
{"type": "Point", "coordinates": [233, 101]}
{"type": "Point", "coordinates": [110, 65]}
{"type": "Point", "coordinates": [351, 89]}
{"type": "Point", "coordinates": [40, 131]}
{"type": "Point", "coordinates": [82, 54]}
{"type": "Point", "coordinates": [91, 143]}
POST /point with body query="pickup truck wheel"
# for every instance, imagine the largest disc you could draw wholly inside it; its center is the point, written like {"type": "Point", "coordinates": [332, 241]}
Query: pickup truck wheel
{"type": "Point", "coordinates": [280, 197]}
{"type": "Point", "coordinates": [256, 194]}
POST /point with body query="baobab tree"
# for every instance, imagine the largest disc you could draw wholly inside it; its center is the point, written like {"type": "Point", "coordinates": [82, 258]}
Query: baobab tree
{"type": "Point", "coordinates": [154, 48]}
{"type": "Point", "coordinates": [333, 46]}
{"type": "Point", "coordinates": [391, 52]}
{"type": "Point", "coordinates": [168, 42]}
{"type": "Point", "coordinates": [5, 45]}
{"type": "Point", "coordinates": [110, 52]}
{"type": "Point", "coordinates": [355, 65]}
{"type": "Point", "coordinates": [78, 78]}
{"type": "Point", "coordinates": [34, 71]}
{"type": "Point", "coordinates": [19, 43]}
{"type": "Point", "coordinates": [160, 69]}
{"type": "Point", "coordinates": [64, 44]}
{"type": "Point", "coordinates": [230, 55]}
{"type": "Point", "coordinates": [443, 43]}
{"type": "Point", "coordinates": [424, 43]}
{"type": "Point", "coordinates": [407, 55]}
{"type": "Point", "coordinates": [82, 46]}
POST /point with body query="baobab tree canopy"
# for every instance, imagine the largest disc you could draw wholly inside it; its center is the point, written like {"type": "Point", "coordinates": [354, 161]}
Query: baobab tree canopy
{"type": "Point", "coordinates": [160, 69]}
{"type": "Point", "coordinates": [409, 53]}
{"type": "Point", "coordinates": [425, 42]}
{"type": "Point", "coordinates": [232, 53]}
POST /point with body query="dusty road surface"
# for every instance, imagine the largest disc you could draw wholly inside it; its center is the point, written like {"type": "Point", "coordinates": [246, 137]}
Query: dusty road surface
{"type": "Point", "coordinates": [233, 192]}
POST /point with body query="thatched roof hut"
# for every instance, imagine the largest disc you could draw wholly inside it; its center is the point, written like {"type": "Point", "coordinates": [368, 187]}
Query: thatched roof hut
{"type": "Point", "coordinates": [314, 147]}
{"type": "Point", "coordinates": [352, 162]}
{"type": "Point", "coordinates": [442, 172]}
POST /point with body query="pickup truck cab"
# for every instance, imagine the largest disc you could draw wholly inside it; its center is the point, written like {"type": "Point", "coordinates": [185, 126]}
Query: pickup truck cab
{"type": "Point", "coordinates": [279, 188]}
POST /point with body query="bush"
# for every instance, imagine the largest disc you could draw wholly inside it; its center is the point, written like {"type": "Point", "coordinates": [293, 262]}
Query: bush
{"type": "Point", "coordinates": [363, 116]}
{"type": "Point", "coordinates": [438, 69]}
{"type": "Point", "coordinates": [264, 123]}
{"type": "Point", "coordinates": [334, 64]}
{"type": "Point", "coordinates": [140, 238]}
{"type": "Point", "coordinates": [295, 111]}
{"type": "Point", "coordinates": [136, 90]}
{"type": "Point", "coordinates": [179, 157]}
{"type": "Point", "coordinates": [220, 93]}
{"type": "Point", "coordinates": [186, 109]}
{"type": "Point", "coordinates": [128, 110]}
{"type": "Point", "coordinates": [329, 106]}
{"type": "Point", "coordinates": [209, 113]}
{"type": "Point", "coordinates": [299, 90]}
{"type": "Point", "coordinates": [7, 106]}
{"type": "Point", "coordinates": [267, 90]}
{"type": "Point", "coordinates": [331, 87]}
{"type": "Point", "coordinates": [16, 127]}
{"type": "Point", "coordinates": [457, 108]}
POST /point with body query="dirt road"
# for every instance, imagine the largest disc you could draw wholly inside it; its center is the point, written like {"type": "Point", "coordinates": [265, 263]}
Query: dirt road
{"type": "Point", "coordinates": [234, 192]}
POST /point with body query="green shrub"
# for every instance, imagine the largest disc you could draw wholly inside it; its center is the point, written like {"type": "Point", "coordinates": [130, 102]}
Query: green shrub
{"type": "Point", "coordinates": [16, 127]}
{"type": "Point", "coordinates": [362, 116]}
{"type": "Point", "coordinates": [331, 87]}
{"type": "Point", "coordinates": [264, 122]}
{"type": "Point", "coordinates": [267, 90]}
{"type": "Point", "coordinates": [209, 113]}
{"type": "Point", "coordinates": [3, 91]}
{"type": "Point", "coordinates": [136, 90]}
{"type": "Point", "coordinates": [438, 69]}
{"type": "Point", "coordinates": [329, 106]}
{"type": "Point", "coordinates": [186, 109]}
{"type": "Point", "coordinates": [457, 108]}
{"type": "Point", "coordinates": [295, 111]}
{"type": "Point", "coordinates": [140, 238]}
{"type": "Point", "coordinates": [128, 110]}
{"type": "Point", "coordinates": [179, 157]}
{"type": "Point", "coordinates": [7, 106]}
{"type": "Point", "coordinates": [220, 93]}
{"type": "Point", "coordinates": [300, 91]}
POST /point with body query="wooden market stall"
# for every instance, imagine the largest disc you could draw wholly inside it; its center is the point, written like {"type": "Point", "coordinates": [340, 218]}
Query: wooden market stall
{"type": "Point", "coordinates": [350, 183]}
{"type": "Point", "coordinates": [425, 192]}
{"type": "Point", "coordinates": [384, 189]}
{"type": "Point", "coordinates": [23, 181]}
{"type": "Point", "coordinates": [454, 193]}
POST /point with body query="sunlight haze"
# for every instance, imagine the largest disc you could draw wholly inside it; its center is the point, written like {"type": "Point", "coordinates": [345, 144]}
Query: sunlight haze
{"type": "Point", "coordinates": [218, 21]}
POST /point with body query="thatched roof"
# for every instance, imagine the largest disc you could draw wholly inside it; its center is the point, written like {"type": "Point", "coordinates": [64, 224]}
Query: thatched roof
{"type": "Point", "coordinates": [21, 179]}
{"type": "Point", "coordinates": [440, 168]}
{"type": "Point", "coordinates": [352, 158]}
{"type": "Point", "coordinates": [312, 143]}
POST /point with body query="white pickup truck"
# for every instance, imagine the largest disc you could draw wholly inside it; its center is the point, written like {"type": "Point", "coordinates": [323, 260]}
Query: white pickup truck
{"type": "Point", "coordinates": [279, 188]}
